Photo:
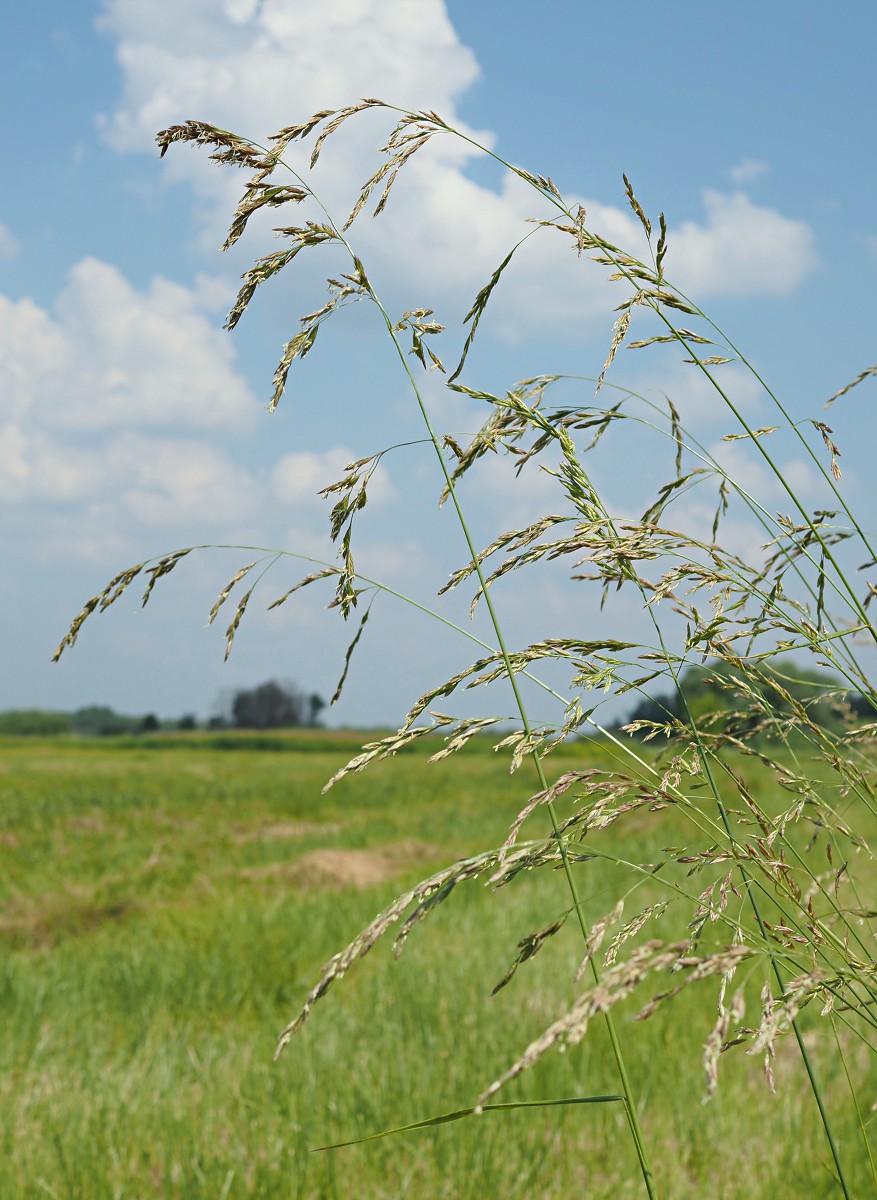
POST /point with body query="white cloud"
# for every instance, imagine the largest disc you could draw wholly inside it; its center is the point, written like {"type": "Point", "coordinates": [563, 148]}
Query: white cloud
{"type": "Point", "coordinates": [297, 478]}
{"type": "Point", "coordinates": [748, 170]}
{"type": "Point", "coordinates": [101, 394]}
{"type": "Point", "coordinates": [121, 489]}
{"type": "Point", "coordinates": [743, 249]}
{"type": "Point", "coordinates": [155, 480]}
{"type": "Point", "coordinates": [745, 467]}
{"type": "Point", "coordinates": [119, 407]}
{"type": "Point", "coordinates": [165, 481]}
{"type": "Point", "coordinates": [514, 500]}
{"type": "Point", "coordinates": [699, 405]}
{"type": "Point", "coordinates": [110, 356]}
{"type": "Point", "coordinates": [255, 65]}
{"type": "Point", "coordinates": [8, 244]}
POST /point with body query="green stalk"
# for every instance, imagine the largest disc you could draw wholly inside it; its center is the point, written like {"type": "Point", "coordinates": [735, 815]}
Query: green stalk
{"type": "Point", "coordinates": [748, 883]}
{"type": "Point", "coordinates": [628, 268]}
{"type": "Point", "coordinates": [862, 1127]}
{"type": "Point", "coordinates": [618, 258]}
{"type": "Point", "coordinates": [790, 492]}
{"type": "Point", "coordinates": [630, 1108]}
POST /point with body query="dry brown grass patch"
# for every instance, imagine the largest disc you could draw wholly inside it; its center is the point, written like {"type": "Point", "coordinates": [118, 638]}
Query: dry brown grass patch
{"type": "Point", "coordinates": [38, 923]}
{"type": "Point", "coordinates": [281, 831]}
{"type": "Point", "coordinates": [339, 868]}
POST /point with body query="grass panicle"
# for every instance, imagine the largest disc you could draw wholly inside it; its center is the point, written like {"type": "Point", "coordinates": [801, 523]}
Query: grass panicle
{"type": "Point", "coordinates": [753, 665]}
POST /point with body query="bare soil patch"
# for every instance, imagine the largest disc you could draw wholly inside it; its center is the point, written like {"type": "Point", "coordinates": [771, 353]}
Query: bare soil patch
{"type": "Point", "coordinates": [338, 868]}
{"type": "Point", "coordinates": [281, 831]}
{"type": "Point", "coordinates": [38, 923]}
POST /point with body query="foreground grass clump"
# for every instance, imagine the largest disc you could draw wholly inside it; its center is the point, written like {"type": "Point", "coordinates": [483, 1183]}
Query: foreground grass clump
{"type": "Point", "coordinates": [162, 912]}
{"type": "Point", "coordinates": [735, 862]}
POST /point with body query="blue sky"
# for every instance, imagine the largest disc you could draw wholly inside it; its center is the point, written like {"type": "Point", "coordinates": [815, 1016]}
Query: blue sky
{"type": "Point", "coordinates": [132, 424]}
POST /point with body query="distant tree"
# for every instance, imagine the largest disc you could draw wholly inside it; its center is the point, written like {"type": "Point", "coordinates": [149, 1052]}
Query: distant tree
{"type": "Point", "coordinates": [97, 720]}
{"type": "Point", "coordinates": [149, 724]}
{"type": "Point", "coordinates": [316, 704]}
{"type": "Point", "coordinates": [723, 697]}
{"type": "Point", "coordinates": [274, 705]}
{"type": "Point", "coordinates": [187, 722]}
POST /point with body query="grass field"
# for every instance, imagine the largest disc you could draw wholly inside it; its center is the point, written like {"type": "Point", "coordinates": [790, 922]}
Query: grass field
{"type": "Point", "coordinates": [164, 908]}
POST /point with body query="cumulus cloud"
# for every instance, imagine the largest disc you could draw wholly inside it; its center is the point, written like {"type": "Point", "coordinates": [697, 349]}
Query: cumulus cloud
{"type": "Point", "coordinates": [119, 407]}
{"type": "Point", "coordinates": [297, 478]}
{"type": "Point", "coordinates": [111, 395]}
{"type": "Point", "coordinates": [254, 65]}
{"type": "Point", "coordinates": [257, 64]}
{"type": "Point", "coordinates": [743, 249]}
{"type": "Point", "coordinates": [111, 356]}
{"type": "Point", "coordinates": [748, 170]}
{"type": "Point", "coordinates": [156, 480]}
{"type": "Point", "coordinates": [698, 403]}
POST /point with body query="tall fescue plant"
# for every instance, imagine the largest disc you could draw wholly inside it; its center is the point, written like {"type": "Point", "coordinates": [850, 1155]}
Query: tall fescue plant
{"type": "Point", "coordinates": [769, 905]}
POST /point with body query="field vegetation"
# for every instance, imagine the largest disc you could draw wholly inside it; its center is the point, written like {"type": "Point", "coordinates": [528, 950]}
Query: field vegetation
{"type": "Point", "coordinates": [165, 905]}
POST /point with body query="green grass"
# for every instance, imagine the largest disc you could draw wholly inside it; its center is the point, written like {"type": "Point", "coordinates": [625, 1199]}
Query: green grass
{"type": "Point", "coordinates": [161, 923]}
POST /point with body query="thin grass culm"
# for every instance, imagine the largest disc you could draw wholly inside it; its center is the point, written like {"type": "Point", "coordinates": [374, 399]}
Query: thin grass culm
{"type": "Point", "coordinates": [744, 772]}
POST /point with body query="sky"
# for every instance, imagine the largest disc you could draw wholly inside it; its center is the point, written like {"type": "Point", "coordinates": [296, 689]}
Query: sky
{"type": "Point", "coordinates": [132, 424]}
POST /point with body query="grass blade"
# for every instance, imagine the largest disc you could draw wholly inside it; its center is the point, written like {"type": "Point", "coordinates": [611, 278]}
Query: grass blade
{"type": "Point", "coordinates": [461, 1113]}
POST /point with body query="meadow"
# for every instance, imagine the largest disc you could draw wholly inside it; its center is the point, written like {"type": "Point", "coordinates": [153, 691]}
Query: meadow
{"type": "Point", "coordinates": [166, 904]}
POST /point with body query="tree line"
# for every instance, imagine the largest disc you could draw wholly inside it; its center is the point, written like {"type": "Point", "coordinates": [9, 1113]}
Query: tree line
{"type": "Point", "coordinates": [723, 698]}
{"type": "Point", "coordinates": [715, 696]}
{"type": "Point", "coordinates": [271, 705]}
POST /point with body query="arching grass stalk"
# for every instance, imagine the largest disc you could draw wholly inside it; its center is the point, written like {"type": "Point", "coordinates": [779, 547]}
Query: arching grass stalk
{"type": "Point", "coordinates": [243, 151]}
{"type": "Point", "coordinates": [752, 617]}
{"type": "Point", "coordinates": [648, 290]}
{"type": "Point", "coordinates": [584, 496]}
{"type": "Point", "coordinates": [747, 882]}
{"type": "Point", "coordinates": [367, 288]}
{"type": "Point", "coordinates": [685, 442]}
{"type": "Point", "coordinates": [629, 1102]}
{"type": "Point", "coordinates": [629, 571]}
{"type": "Point", "coordinates": [748, 885]}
